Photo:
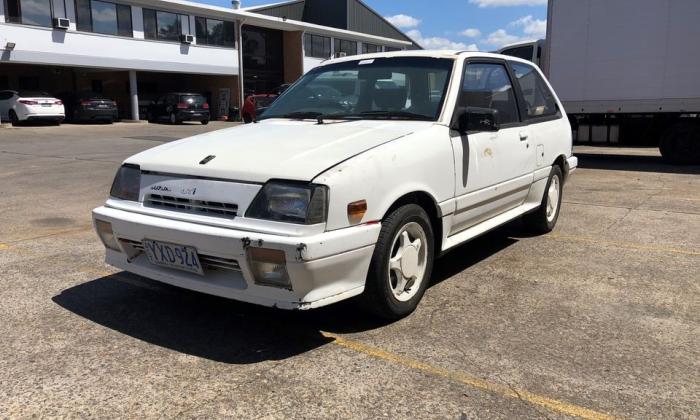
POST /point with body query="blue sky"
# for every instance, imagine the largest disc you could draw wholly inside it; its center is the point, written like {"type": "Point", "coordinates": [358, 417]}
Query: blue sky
{"type": "Point", "coordinates": [456, 24]}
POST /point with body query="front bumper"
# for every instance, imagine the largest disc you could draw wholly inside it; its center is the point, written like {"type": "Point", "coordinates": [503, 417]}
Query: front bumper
{"type": "Point", "coordinates": [323, 268]}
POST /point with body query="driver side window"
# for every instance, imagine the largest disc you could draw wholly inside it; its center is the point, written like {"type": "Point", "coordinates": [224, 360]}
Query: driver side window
{"type": "Point", "coordinates": [488, 85]}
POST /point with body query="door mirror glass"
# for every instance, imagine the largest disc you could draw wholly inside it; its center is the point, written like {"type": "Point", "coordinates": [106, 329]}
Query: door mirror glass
{"type": "Point", "coordinates": [469, 119]}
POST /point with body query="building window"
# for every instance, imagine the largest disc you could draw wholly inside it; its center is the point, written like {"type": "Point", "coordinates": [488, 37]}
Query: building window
{"type": "Point", "coordinates": [163, 26]}
{"type": "Point", "coordinates": [185, 25]}
{"type": "Point", "coordinates": [370, 48]}
{"type": "Point", "coordinates": [103, 17]}
{"type": "Point", "coordinates": [31, 12]}
{"type": "Point", "coordinates": [214, 32]}
{"type": "Point", "coordinates": [317, 46]}
{"type": "Point", "coordinates": [390, 49]}
{"type": "Point", "coordinates": [345, 46]}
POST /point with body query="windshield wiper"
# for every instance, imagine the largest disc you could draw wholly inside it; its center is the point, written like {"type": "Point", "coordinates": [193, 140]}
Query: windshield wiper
{"type": "Point", "coordinates": [314, 115]}
{"type": "Point", "coordinates": [395, 114]}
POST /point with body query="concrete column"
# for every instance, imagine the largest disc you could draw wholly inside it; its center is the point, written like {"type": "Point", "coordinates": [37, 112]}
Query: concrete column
{"type": "Point", "coordinates": [134, 94]}
{"type": "Point", "coordinates": [241, 84]}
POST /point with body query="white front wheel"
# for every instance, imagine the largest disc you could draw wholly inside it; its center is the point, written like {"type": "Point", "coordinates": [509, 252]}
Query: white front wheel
{"type": "Point", "coordinates": [402, 262]}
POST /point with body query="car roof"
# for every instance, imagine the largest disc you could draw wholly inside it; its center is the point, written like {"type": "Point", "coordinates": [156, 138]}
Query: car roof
{"type": "Point", "coordinates": [450, 54]}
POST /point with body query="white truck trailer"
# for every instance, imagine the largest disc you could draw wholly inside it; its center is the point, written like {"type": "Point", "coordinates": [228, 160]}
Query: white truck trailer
{"type": "Point", "coordinates": [627, 71]}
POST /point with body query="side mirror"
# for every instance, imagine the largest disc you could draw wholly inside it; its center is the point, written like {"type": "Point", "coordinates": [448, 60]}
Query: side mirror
{"type": "Point", "coordinates": [469, 118]}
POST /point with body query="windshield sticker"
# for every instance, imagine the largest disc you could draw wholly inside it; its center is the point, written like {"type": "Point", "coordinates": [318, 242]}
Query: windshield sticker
{"type": "Point", "coordinates": [363, 62]}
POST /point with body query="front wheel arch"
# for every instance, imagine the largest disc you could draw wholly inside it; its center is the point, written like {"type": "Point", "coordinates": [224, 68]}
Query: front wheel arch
{"type": "Point", "coordinates": [429, 205]}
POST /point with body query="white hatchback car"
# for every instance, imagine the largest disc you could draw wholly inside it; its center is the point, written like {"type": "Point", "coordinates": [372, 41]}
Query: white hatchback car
{"type": "Point", "coordinates": [360, 174]}
{"type": "Point", "coordinates": [30, 106]}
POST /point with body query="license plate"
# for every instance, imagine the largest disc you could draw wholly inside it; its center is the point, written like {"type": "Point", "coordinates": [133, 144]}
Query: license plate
{"type": "Point", "coordinates": [46, 105]}
{"type": "Point", "coordinates": [180, 257]}
{"type": "Point", "coordinates": [196, 115]}
{"type": "Point", "coordinates": [103, 106]}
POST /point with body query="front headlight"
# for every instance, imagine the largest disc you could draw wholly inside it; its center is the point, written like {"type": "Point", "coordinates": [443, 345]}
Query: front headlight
{"type": "Point", "coordinates": [291, 202]}
{"type": "Point", "coordinates": [127, 183]}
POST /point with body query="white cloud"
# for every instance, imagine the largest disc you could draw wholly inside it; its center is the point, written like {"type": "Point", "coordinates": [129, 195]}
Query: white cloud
{"type": "Point", "coordinates": [536, 28]}
{"type": "Point", "coordinates": [531, 28]}
{"type": "Point", "coordinates": [437, 43]}
{"type": "Point", "coordinates": [471, 33]}
{"type": "Point", "coordinates": [403, 21]}
{"type": "Point", "coordinates": [472, 47]}
{"type": "Point", "coordinates": [506, 3]}
{"type": "Point", "coordinates": [500, 38]}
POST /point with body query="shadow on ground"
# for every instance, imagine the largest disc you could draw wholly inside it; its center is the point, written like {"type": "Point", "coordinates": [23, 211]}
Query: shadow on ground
{"type": "Point", "coordinates": [233, 332]}
{"type": "Point", "coordinates": [616, 162]}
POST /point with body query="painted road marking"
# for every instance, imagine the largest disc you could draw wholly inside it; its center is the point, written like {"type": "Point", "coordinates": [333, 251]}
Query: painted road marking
{"type": "Point", "coordinates": [4, 246]}
{"type": "Point", "coordinates": [546, 402]}
{"type": "Point", "coordinates": [628, 245]}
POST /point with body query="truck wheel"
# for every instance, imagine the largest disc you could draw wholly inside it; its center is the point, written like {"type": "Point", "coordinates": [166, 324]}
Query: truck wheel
{"type": "Point", "coordinates": [680, 144]}
{"type": "Point", "coordinates": [545, 217]}
{"type": "Point", "coordinates": [401, 265]}
{"type": "Point", "coordinates": [173, 119]}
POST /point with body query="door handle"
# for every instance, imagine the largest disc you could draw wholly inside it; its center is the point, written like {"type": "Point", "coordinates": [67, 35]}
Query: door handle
{"type": "Point", "coordinates": [523, 136]}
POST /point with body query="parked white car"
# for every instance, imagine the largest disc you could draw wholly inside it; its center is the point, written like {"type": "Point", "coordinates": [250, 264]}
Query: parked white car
{"type": "Point", "coordinates": [30, 106]}
{"type": "Point", "coordinates": [360, 174]}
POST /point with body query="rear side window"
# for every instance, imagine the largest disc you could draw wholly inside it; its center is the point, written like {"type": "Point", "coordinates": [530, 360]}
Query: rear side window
{"type": "Point", "coordinates": [539, 100]}
{"type": "Point", "coordinates": [487, 85]}
{"type": "Point", "coordinates": [5, 95]}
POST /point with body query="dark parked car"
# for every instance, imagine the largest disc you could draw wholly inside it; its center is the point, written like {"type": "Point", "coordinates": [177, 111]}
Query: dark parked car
{"type": "Point", "coordinates": [89, 106]}
{"type": "Point", "coordinates": [178, 107]}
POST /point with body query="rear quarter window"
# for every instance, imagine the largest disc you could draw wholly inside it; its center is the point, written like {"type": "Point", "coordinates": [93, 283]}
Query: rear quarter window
{"type": "Point", "coordinates": [539, 99]}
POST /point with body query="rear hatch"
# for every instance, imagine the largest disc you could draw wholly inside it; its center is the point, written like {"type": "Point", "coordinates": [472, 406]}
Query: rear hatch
{"type": "Point", "coordinates": [97, 102]}
{"type": "Point", "coordinates": [196, 103]}
{"type": "Point", "coordinates": [41, 103]}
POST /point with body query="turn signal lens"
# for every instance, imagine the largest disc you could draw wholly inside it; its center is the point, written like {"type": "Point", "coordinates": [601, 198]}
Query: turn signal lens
{"type": "Point", "coordinates": [356, 211]}
{"type": "Point", "coordinates": [106, 234]}
{"type": "Point", "coordinates": [205, 105]}
{"type": "Point", "coordinates": [269, 267]}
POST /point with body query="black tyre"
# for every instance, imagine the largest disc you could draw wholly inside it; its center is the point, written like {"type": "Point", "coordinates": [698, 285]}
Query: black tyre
{"type": "Point", "coordinates": [13, 118]}
{"type": "Point", "coordinates": [545, 217]}
{"type": "Point", "coordinates": [205, 122]}
{"type": "Point", "coordinates": [173, 119]}
{"type": "Point", "coordinates": [680, 144]}
{"type": "Point", "coordinates": [401, 265]}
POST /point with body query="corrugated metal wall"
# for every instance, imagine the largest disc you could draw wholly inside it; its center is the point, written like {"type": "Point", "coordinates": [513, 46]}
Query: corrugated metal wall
{"type": "Point", "coordinates": [331, 13]}
{"type": "Point", "coordinates": [363, 19]}
{"type": "Point", "coordinates": [352, 15]}
{"type": "Point", "coordinates": [292, 10]}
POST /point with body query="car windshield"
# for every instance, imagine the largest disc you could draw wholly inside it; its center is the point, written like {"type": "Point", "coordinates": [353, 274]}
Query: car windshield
{"type": "Point", "coordinates": [33, 94]}
{"type": "Point", "coordinates": [379, 88]}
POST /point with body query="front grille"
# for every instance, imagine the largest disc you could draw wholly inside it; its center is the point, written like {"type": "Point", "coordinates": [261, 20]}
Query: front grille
{"type": "Point", "coordinates": [208, 262]}
{"type": "Point", "coordinates": [210, 208]}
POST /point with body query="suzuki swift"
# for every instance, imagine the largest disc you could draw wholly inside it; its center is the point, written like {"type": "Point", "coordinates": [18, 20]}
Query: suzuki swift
{"type": "Point", "coordinates": [356, 179]}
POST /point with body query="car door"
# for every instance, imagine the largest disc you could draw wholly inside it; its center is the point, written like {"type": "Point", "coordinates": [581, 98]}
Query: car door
{"type": "Point", "coordinates": [494, 169]}
{"type": "Point", "coordinates": [542, 113]}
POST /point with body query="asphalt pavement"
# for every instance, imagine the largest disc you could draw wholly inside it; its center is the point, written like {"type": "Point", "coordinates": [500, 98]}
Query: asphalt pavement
{"type": "Point", "coordinates": [599, 319]}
